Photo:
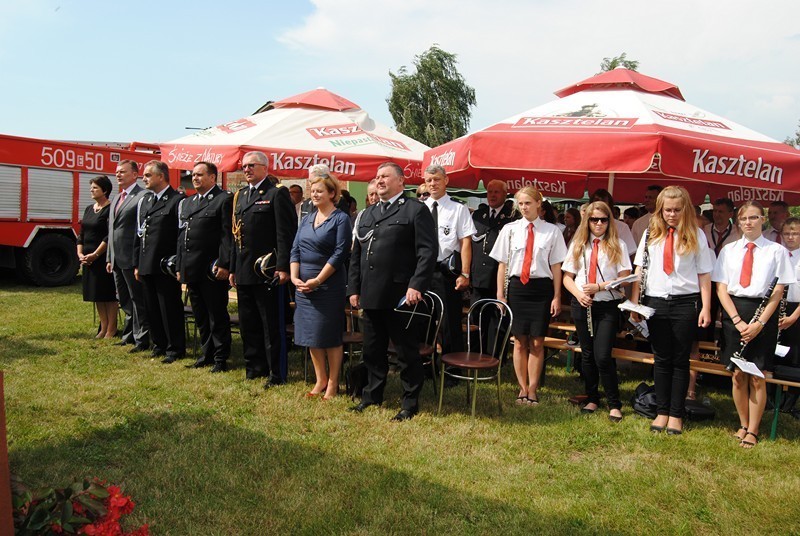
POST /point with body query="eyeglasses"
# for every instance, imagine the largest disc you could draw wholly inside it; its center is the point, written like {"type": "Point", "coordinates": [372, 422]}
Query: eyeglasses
{"type": "Point", "coordinates": [750, 218]}
{"type": "Point", "coordinates": [250, 166]}
{"type": "Point", "coordinates": [598, 220]}
{"type": "Point", "coordinates": [424, 194]}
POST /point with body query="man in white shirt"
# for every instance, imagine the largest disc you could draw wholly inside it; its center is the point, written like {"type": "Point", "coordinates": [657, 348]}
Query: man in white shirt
{"type": "Point", "coordinates": [776, 214]}
{"type": "Point", "coordinates": [722, 231]}
{"type": "Point", "coordinates": [454, 229]}
{"type": "Point", "coordinates": [640, 225]}
{"type": "Point", "coordinates": [623, 231]}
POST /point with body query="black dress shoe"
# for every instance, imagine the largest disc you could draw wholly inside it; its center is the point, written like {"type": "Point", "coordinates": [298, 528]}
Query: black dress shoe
{"type": "Point", "coordinates": [137, 349]}
{"type": "Point", "coordinates": [253, 375]}
{"type": "Point", "coordinates": [219, 367]}
{"type": "Point", "coordinates": [360, 407]}
{"type": "Point", "coordinates": [404, 415]}
{"type": "Point", "coordinates": [169, 359]}
{"type": "Point", "coordinates": [121, 343]}
{"type": "Point", "coordinates": [158, 353]}
{"type": "Point", "coordinates": [200, 363]}
{"type": "Point", "coordinates": [273, 383]}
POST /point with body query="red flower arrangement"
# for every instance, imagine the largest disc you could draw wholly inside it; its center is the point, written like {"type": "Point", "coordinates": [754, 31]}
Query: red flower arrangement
{"type": "Point", "coordinates": [89, 507]}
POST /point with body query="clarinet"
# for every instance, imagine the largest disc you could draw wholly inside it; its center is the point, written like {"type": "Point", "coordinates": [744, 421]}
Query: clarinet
{"type": "Point", "coordinates": [508, 265]}
{"type": "Point", "coordinates": [738, 354]}
{"type": "Point", "coordinates": [782, 310]}
{"type": "Point", "coordinates": [588, 309]}
{"type": "Point", "coordinates": [645, 265]}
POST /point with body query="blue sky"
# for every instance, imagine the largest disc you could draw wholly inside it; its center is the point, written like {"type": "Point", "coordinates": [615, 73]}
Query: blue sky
{"type": "Point", "coordinates": [124, 71]}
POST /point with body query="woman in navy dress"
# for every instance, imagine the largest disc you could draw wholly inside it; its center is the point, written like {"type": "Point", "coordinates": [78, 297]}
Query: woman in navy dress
{"type": "Point", "coordinates": [319, 255]}
{"type": "Point", "coordinates": [98, 284]}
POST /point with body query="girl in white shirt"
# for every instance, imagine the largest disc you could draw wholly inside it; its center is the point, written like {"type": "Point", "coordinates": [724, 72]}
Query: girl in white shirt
{"type": "Point", "coordinates": [595, 258]}
{"type": "Point", "coordinates": [678, 286]}
{"type": "Point", "coordinates": [530, 251]}
{"type": "Point", "coordinates": [744, 272]}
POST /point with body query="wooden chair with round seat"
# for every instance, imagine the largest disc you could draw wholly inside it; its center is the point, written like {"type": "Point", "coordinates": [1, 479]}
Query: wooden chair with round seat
{"type": "Point", "coordinates": [478, 366]}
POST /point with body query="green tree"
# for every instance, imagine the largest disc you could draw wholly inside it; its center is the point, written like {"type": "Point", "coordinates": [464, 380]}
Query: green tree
{"type": "Point", "coordinates": [432, 105]}
{"type": "Point", "coordinates": [794, 141]}
{"type": "Point", "coordinates": [618, 61]}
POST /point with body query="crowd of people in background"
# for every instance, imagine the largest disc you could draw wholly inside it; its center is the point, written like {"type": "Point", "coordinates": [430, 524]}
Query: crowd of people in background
{"type": "Point", "coordinates": [696, 269]}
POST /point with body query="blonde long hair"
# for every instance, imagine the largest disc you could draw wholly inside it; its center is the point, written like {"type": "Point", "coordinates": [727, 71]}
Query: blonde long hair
{"type": "Point", "coordinates": [686, 232]}
{"type": "Point", "coordinates": [583, 235]}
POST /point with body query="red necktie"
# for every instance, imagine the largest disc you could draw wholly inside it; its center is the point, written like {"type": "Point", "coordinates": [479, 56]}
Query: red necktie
{"type": "Point", "coordinates": [669, 249]}
{"type": "Point", "coordinates": [777, 237]}
{"type": "Point", "coordinates": [525, 276]}
{"type": "Point", "coordinates": [747, 265]}
{"type": "Point", "coordinates": [122, 197]}
{"type": "Point", "coordinates": [593, 261]}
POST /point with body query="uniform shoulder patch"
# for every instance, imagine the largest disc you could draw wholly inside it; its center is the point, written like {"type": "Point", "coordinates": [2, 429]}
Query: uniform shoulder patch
{"type": "Point", "coordinates": [459, 201]}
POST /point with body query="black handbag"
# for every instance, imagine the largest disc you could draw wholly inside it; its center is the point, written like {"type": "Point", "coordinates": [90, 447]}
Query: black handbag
{"type": "Point", "coordinates": [785, 372]}
{"type": "Point", "coordinates": [696, 411]}
{"type": "Point", "coordinates": [355, 378]}
{"type": "Point", "coordinates": [644, 401]}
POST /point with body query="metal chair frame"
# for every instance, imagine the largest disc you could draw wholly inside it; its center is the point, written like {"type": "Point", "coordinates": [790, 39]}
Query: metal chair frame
{"type": "Point", "coordinates": [492, 361]}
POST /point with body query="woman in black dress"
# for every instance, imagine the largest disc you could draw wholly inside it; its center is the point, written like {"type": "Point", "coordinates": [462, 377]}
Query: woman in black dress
{"type": "Point", "coordinates": [98, 284]}
{"type": "Point", "coordinates": [319, 256]}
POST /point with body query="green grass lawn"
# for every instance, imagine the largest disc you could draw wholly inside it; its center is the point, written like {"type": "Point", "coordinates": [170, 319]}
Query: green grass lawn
{"type": "Point", "coordinates": [205, 454]}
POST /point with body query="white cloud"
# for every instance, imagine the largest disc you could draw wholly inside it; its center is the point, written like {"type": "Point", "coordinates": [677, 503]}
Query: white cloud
{"type": "Point", "coordinates": [725, 57]}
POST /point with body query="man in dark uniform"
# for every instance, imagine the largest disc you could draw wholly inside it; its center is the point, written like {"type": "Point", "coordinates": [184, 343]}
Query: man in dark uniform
{"type": "Point", "coordinates": [121, 234]}
{"type": "Point", "coordinates": [264, 221]}
{"type": "Point", "coordinates": [204, 239]}
{"type": "Point", "coordinates": [489, 219]}
{"type": "Point", "coordinates": [156, 237]}
{"type": "Point", "coordinates": [394, 255]}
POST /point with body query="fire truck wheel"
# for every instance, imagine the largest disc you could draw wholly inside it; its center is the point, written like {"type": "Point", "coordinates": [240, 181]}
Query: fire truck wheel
{"type": "Point", "coordinates": [50, 261]}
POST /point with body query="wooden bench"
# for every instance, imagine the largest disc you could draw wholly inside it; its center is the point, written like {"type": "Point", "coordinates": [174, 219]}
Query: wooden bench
{"type": "Point", "coordinates": [705, 367]}
{"type": "Point", "coordinates": [566, 327]}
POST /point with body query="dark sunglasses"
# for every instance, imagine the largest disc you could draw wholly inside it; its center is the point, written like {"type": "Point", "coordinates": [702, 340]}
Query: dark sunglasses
{"type": "Point", "coordinates": [598, 220]}
{"type": "Point", "coordinates": [424, 194]}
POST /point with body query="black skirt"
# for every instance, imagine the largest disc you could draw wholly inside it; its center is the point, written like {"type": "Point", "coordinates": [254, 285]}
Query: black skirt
{"type": "Point", "coordinates": [760, 350]}
{"type": "Point", "coordinates": [530, 305]}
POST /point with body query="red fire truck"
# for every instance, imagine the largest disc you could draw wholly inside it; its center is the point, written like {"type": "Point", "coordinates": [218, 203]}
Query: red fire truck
{"type": "Point", "coordinates": [44, 190]}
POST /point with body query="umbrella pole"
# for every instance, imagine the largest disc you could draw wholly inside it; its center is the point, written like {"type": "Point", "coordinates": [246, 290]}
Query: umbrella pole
{"type": "Point", "coordinates": [611, 184]}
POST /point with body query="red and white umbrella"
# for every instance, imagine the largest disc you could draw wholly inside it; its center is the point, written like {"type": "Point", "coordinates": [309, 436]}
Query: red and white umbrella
{"type": "Point", "coordinates": [316, 127]}
{"type": "Point", "coordinates": [623, 130]}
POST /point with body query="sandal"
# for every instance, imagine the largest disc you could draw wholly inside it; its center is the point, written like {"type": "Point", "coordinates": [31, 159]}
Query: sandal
{"type": "Point", "coordinates": [736, 435]}
{"type": "Point", "coordinates": [748, 444]}
{"type": "Point", "coordinates": [522, 400]}
{"type": "Point", "coordinates": [532, 401]}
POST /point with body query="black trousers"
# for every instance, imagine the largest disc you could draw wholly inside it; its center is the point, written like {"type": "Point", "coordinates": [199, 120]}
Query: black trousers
{"type": "Point", "coordinates": [596, 361]}
{"type": "Point", "coordinates": [452, 336]}
{"type": "Point", "coordinates": [258, 322]}
{"type": "Point", "coordinates": [209, 301]}
{"type": "Point", "coordinates": [131, 301]}
{"type": "Point", "coordinates": [672, 328]}
{"type": "Point", "coordinates": [162, 295]}
{"type": "Point", "coordinates": [381, 325]}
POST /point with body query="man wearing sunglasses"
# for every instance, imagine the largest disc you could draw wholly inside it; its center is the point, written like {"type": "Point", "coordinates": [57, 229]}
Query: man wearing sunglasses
{"type": "Point", "coordinates": [264, 220]}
